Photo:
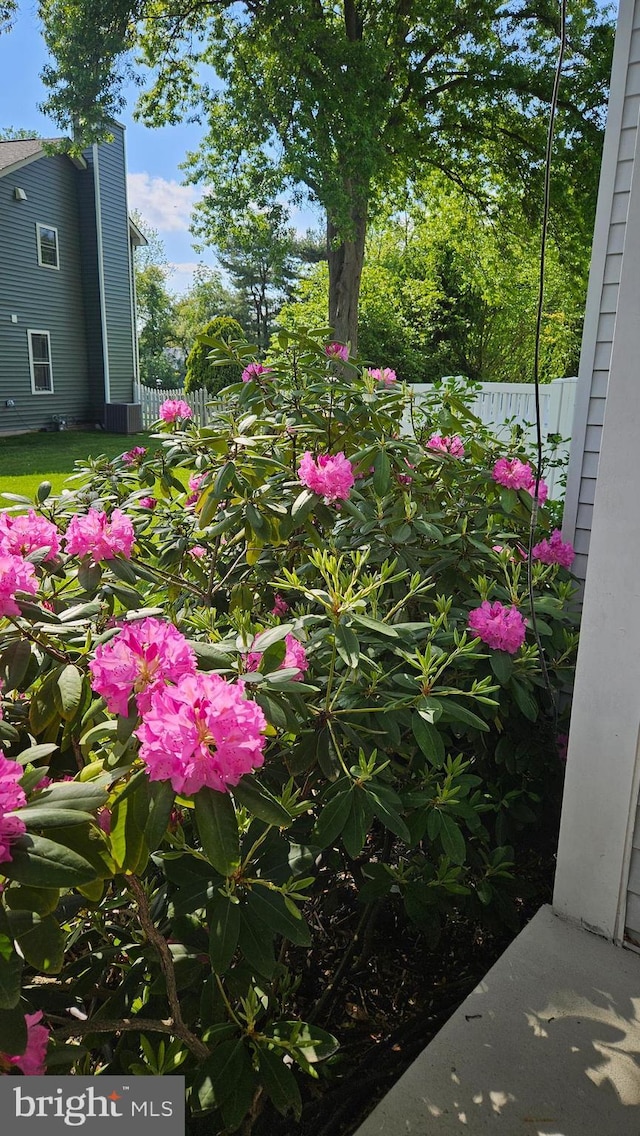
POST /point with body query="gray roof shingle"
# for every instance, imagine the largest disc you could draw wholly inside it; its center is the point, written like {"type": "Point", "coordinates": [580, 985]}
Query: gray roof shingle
{"type": "Point", "coordinates": [17, 149]}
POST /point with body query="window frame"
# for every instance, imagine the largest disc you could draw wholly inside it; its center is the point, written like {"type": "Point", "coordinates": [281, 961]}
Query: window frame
{"type": "Point", "coordinates": [40, 225]}
{"type": "Point", "coordinates": [38, 362]}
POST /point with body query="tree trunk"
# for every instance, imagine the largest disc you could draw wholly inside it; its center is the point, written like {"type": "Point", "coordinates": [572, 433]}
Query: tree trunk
{"type": "Point", "coordinates": [345, 270]}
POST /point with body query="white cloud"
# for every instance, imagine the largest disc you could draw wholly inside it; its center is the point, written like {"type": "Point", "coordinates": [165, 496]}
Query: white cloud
{"type": "Point", "coordinates": [180, 275]}
{"type": "Point", "coordinates": [166, 205]}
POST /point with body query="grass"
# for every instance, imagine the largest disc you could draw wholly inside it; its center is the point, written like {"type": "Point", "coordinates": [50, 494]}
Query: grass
{"type": "Point", "coordinates": [28, 459]}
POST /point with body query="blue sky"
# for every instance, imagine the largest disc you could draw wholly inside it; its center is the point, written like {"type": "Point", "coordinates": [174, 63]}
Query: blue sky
{"type": "Point", "coordinates": [153, 156]}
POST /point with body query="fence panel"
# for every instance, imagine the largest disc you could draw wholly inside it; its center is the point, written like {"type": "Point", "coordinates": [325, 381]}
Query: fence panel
{"type": "Point", "coordinates": [496, 404]}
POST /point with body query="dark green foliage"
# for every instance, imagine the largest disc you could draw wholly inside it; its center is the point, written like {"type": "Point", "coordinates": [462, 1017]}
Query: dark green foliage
{"type": "Point", "coordinates": [201, 372]}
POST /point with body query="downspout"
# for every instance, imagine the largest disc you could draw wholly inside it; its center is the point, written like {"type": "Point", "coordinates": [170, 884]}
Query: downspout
{"type": "Point", "coordinates": [103, 299]}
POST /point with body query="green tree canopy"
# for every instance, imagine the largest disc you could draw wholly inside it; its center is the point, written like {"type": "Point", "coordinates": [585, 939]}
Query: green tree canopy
{"type": "Point", "coordinates": [201, 372]}
{"type": "Point", "coordinates": [344, 100]}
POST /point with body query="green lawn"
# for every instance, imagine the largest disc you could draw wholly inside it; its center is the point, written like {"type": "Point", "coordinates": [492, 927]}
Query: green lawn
{"type": "Point", "coordinates": [28, 459]}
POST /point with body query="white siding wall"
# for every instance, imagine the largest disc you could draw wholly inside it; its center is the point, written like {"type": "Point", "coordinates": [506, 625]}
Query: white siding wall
{"type": "Point", "coordinates": [604, 279]}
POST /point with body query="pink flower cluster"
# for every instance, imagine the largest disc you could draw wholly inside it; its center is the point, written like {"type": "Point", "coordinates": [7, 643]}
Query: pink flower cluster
{"type": "Point", "coordinates": [173, 408]}
{"type": "Point", "coordinates": [195, 481]}
{"type": "Point", "coordinates": [96, 536]}
{"type": "Point", "coordinates": [148, 502]}
{"type": "Point", "coordinates": [280, 605]}
{"type": "Point", "coordinates": [331, 476]}
{"type": "Point", "coordinates": [295, 657]}
{"type": "Point", "coordinates": [141, 659]}
{"type": "Point", "coordinates": [16, 575]}
{"type": "Point", "coordinates": [337, 351]}
{"type": "Point", "coordinates": [383, 375]}
{"type": "Point", "coordinates": [11, 797]}
{"type": "Point", "coordinates": [446, 445]}
{"type": "Point", "coordinates": [515, 474]}
{"type": "Point", "coordinates": [501, 628]}
{"type": "Point", "coordinates": [19, 536]}
{"type": "Point", "coordinates": [202, 731]}
{"type": "Point", "coordinates": [33, 1061]}
{"type": "Point", "coordinates": [253, 371]}
{"type": "Point", "coordinates": [555, 550]}
{"type": "Point", "coordinates": [134, 455]}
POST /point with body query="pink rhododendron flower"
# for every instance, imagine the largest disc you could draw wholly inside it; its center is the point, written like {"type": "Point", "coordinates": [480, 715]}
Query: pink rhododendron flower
{"type": "Point", "coordinates": [103, 817]}
{"type": "Point", "coordinates": [280, 605]}
{"type": "Point", "coordinates": [197, 552]}
{"type": "Point", "coordinates": [337, 351]}
{"type": "Point", "coordinates": [446, 445]}
{"type": "Point", "coordinates": [203, 731]}
{"type": "Point", "coordinates": [22, 535]}
{"type": "Point", "coordinates": [173, 408]}
{"type": "Point", "coordinates": [16, 575]}
{"type": "Point", "coordinates": [134, 455]}
{"type": "Point", "coordinates": [295, 657]}
{"type": "Point", "coordinates": [515, 474]}
{"type": "Point", "coordinates": [383, 375]}
{"type": "Point", "coordinates": [253, 371]}
{"type": "Point", "coordinates": [501, 628]}
{"type": "Point", "coordinates": [555, 550]}
{"type": "Point", "coordinates": [99, 537]}
{"type": "Point", "coordinates": [141, 658]}
{"type": "Point", "coordinates": [147, 502]}
{"type": "Point", "coordinates": [195, 481]}
{"type": "Point", "coordinates": [11, 797]}
{"type": "Point", "coordinates": [331, 476]}
{"type": "Point", "coordinates": [33, 1061]}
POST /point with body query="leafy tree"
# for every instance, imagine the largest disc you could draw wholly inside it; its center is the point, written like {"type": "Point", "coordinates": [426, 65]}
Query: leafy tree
{"type": "Point", "coordinates": [156, 310]}
{"type": "Point", "coordinates": [12, 133]}
{"type": "Point", "coordinates": [345, 99]}
{"type": "Point", "coordinates": [201, 372]}
{"type": "Point", "coordinates": [449, 289]}
{"type": "Point", "coordinates": [262, 256]}
{"type": "Point", "coordinates": [206, 299]}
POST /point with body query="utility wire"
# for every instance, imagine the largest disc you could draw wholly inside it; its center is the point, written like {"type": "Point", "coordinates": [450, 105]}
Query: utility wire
{"type": "Point", "coordinates": [553, 108]}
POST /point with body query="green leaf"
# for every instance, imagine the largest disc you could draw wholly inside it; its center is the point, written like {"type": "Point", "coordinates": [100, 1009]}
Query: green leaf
{"type": "Point", "coordinates": [41, 940]}
{"type": "Point", "coordinates": [302, 506]}
{"type": "Point", "coordinates": [525, 701]}
{"type": "Point", "coordinates": [239, 1101]}
{"type": "Point", "coordinates": [256, 946]}
{"type": "Point", "coordinates": [215, 1078]}
{"type": "Point", "coordinates": [14, 663]}
{"type": "Point", "coordinates": [429, 739]}
{"type": "Point", "coordinates": [261, 802]}
{"type": "Point", "coordinates": [224, 931]}
{"type": "Point", "coordinates": [456, 712]}
{"type": "Point", "coordinates": [267, 638]}
{"type": "Point", "coordinates": [218, 828]}
{"type": "Point", "coordinates": [40, 815]}
{"type": "Point", "coordinates": [258, 524]}
{"type": "Point", "coordinates": [89, 576]}
{"type": "Point", "coordinates": [332, 818]}
{"type": "Point", "coordinates": [508, 500]}
{"type": "Point", "coordinates": [502, 666]}
{"type": "Point", "coordinates": [452, 839]}
{"type": "Point", "coordinates": [358, 823]}
{"type": "Point", "coordinates": [10, 966]}
{"type": "Point", "coordinates": [129, 814]}
{"type": "Point", "coordinates": [161, 798]}
{"type": "Point", "coordinates": [39, 862]}
{"type": "Point", "coordinates": [381, 473]}
{"type": "Point", "coordinates": [41, 900]}
{"type": "Point", "coordinates": [313, 1043]}
{"type": "Point", "coordinates": [385, 805]}
{"type": "Point", "coordinates": [269, 907]}
{"type": "Point", "coordinates": [13, 1029]}
{"type": "Point", "coordinates": [279, 1082]}
{"type": "Point", "coordinates": [347, 644]}
{"type": "Point", "coordinates": [123, 570]}
{"type": "Point", "coordinates": [375, 625]}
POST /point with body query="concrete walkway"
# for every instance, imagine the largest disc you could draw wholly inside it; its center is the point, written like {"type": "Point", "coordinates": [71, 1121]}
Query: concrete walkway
{"type": "Point", "coordinates": [547, 1045]}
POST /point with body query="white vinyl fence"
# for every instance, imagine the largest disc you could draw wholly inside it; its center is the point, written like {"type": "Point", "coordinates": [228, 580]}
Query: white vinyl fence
{"type": "Point", "coordinates": [497, 404]}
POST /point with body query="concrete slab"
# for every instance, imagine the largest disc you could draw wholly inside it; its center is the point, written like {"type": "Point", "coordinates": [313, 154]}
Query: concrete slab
{"type": "Point", "coordinates": [547, 1045]}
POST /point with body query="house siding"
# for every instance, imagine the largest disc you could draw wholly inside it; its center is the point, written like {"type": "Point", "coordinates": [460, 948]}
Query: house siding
{"type": "Point", "coordinates": [41, 298]}
{"type": "Point", "coordinates": [602, 299]}
{"type": "Point", "coordinates": [116, 252]}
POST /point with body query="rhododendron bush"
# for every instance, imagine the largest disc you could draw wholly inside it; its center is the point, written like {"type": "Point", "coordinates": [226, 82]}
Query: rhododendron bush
{"type": "Point", "coordinates": [244, 666]}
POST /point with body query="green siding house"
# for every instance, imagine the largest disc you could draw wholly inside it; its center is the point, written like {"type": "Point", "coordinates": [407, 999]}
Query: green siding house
{"type": "Point", "coordinates": [68, 349]}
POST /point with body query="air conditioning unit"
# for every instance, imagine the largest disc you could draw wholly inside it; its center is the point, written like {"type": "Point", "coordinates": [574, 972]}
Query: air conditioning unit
{"type": "Point", "coordinates": [123, 417]}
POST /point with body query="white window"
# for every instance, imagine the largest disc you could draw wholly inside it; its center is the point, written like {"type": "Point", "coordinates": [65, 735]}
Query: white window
{"type": "Point", "coordinates": [40, 362]}
{"type": "Point", "coordinates": [47, 237]}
